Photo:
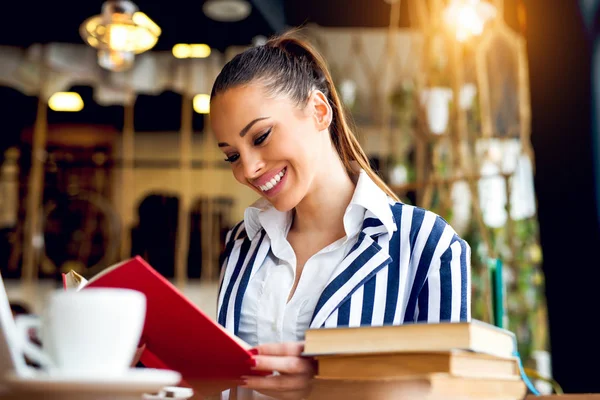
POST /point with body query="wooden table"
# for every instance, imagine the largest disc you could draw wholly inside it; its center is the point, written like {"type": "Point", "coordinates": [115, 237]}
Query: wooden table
{"type": "Point", "coordinates": [591, 396]}
{"type": "Point", "coordinates": [374, 390]}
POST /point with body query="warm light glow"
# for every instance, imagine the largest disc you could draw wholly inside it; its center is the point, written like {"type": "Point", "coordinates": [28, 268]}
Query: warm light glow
{"type": "Point", "coordinates": [119, 33]}
{"type": "Point", "coordinates": [92, 41]}
{"type": "Point", "coordinates": [183, 50]}
{"type": "Point", "coordinates": [200, 50]}
{"type": "Point", "coordinates": [117, 61]}
{"type": "Point", "coordinates": [119, 36]}
{"type": "Point", "coordinates": [141, 19]}
{"type": "Point", "coordinates": [202, 103]}
{"type": "Point", "coordinates": [124, 37]}
{"type": "Point", "coordinates": [467, 18]}
{"type": "Point", "coordinates": [65, 101]}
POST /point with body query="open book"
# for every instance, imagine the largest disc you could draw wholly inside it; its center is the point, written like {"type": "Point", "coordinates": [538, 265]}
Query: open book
{"type": "Point", "coordinates": [178, 335]}
{"type": "Point", "coordinates": [73, 281]}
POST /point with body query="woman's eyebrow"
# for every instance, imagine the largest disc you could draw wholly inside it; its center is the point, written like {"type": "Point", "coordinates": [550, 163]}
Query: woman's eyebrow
{"type": "Point", "coordinates": [245, 129]}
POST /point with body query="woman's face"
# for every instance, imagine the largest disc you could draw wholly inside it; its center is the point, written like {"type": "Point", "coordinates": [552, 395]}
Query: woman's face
{"type": "Point", "coordinates": [274, 146]}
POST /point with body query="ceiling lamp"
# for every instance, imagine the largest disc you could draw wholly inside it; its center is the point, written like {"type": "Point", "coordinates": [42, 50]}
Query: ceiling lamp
{"type": "Point", "coordinates": [65, 101]}
{"type": "Point", "coordinates": [201, 103]}
{"type": "Point", "coordinates": [197, 50]}
{"type": "Point", "coordinates": [119, 33]}
{"type": "Point", "coordinates": [227, 10]}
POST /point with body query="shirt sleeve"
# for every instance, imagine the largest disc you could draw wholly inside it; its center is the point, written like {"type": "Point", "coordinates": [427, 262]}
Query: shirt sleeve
{"type": "Point", "coordinates": [446, 292]}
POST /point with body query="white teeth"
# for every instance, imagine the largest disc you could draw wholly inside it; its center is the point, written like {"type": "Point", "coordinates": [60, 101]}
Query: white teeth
{"type": "Point", "coordinates": [269, 185]}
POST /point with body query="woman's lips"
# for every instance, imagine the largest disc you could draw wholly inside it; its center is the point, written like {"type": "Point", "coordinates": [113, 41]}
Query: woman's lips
{"type": "Point", "coordinates": [274, 186]}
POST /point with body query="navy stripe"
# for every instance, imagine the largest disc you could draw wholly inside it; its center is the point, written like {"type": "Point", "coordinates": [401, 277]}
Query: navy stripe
{"type": "Point", "coordinates": [368, 301]}
{"type": "Point", "coordinates": [237, 309]}
{"type": "Point", "coordinates": [371, 222]}
{"type": "Point", "coordinates": [342, 278]}
{"type": "Point", "coordinates": [227, 252]}
{"type": "Point", "coordinates": [446, 286]}
{"type": "Point", "coordinates": [423, 267]}
{"type": "Point", "coordinates": [393, 280]}
{"type": "Point", "coordinates": [415, 226]}
{"type": "Point", "coordinates": [373, 273]}
{"type": "Point", "coordinates": [344, 314]}
{"type": "Point", "coordinates": [463, 280]}
{"type": "Point", "coordinates": [348, 272]}
{"type": "Point", "coordinates": [229, 246]}
{"type": "Point", "coordinates": [423, 304]}
{"type": "Point", "coordinates": [243, 252]}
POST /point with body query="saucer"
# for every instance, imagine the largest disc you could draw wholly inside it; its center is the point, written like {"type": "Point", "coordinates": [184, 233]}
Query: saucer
{"type": "Point", "coordinates": [170, 392]}
{"type": "Point", "coordinates": [135, 381]}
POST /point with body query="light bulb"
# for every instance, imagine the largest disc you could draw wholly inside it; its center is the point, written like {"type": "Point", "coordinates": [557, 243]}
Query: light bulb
{"type": "Point", "coordinates": [65, 101]}
{"type": "Point", "coordinates": [119, 37]}
{"type": "Point", "coordinates": [202, 103]}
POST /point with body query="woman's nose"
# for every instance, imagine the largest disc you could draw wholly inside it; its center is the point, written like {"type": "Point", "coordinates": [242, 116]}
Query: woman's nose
{"type": "Point", "coordinates": [253, 166]}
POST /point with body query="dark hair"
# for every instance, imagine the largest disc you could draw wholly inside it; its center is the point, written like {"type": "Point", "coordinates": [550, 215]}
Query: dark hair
{"type": "Point", "coordinates": [291, 66]}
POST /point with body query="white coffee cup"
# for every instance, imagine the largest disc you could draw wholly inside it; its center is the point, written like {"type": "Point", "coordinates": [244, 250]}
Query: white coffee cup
{"type": "Point", "coordinates": [86, 333]}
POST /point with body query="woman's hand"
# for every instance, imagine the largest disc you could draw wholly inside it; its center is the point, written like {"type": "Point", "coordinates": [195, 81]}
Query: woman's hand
{"type": "Point", "coordinates": [293, 377]}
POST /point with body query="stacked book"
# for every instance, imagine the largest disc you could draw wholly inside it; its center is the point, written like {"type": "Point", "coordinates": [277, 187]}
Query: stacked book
{"type": "Point", "coordinates": [471, 360]}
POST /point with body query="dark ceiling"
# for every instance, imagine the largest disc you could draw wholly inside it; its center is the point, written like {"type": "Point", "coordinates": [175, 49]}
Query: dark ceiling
{"type": "Point", "coordinates": [182, 21]}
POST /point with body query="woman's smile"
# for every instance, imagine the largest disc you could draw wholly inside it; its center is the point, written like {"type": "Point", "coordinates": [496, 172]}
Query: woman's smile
{"type": "Point", "coordinates": [271, 184]}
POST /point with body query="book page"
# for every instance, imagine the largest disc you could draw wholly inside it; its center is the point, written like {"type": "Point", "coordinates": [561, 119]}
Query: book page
{"type": "Point", "coordinates": [107, 270]}
{"type": "Point", "coordinates": [74, 281]}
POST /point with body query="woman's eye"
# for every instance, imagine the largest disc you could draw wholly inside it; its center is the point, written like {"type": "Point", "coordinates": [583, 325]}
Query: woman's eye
{"type": "Point", "coordinates": [262, 137]}
{"type": "Point", "coordinates": [232, 158]}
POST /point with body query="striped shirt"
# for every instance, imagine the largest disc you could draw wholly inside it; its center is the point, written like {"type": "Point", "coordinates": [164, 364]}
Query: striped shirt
{"type": "Point", "coordinates": [406, 265]}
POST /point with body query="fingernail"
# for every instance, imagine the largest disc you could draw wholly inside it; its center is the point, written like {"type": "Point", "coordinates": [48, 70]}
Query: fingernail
{"type": "Point", "coordinates": [253, 352]}
{"type": "Point", "coordinates": [252, 362]}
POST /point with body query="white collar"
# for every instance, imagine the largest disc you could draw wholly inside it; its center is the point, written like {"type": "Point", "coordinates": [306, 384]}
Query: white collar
{"type": "Point", "coordinates": [367, 196]}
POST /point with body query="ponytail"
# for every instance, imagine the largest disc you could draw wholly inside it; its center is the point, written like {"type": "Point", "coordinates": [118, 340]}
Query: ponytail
{"type": "Point", "coordinates": [291, 65]}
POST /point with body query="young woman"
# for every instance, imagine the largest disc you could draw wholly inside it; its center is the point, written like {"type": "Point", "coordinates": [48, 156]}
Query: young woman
{"type": "Point", "coordinates": [328, 243]}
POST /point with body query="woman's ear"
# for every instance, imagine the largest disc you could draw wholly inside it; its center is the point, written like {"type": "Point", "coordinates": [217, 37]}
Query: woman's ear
{"type": "Point", "coordinates": [321, 109]}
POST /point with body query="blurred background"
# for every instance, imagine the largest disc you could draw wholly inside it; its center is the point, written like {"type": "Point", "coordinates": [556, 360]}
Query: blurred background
{"type": "Point", "coordinates": [483, 111]}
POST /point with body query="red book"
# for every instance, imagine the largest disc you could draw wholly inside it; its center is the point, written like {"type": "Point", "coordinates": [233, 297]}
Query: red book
{"type": "Point", "coordinates": [178, 335]}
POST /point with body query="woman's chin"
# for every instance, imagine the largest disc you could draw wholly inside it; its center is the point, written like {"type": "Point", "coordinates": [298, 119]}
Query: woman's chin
{"type": "Point", "coordinates": [282, 203]}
